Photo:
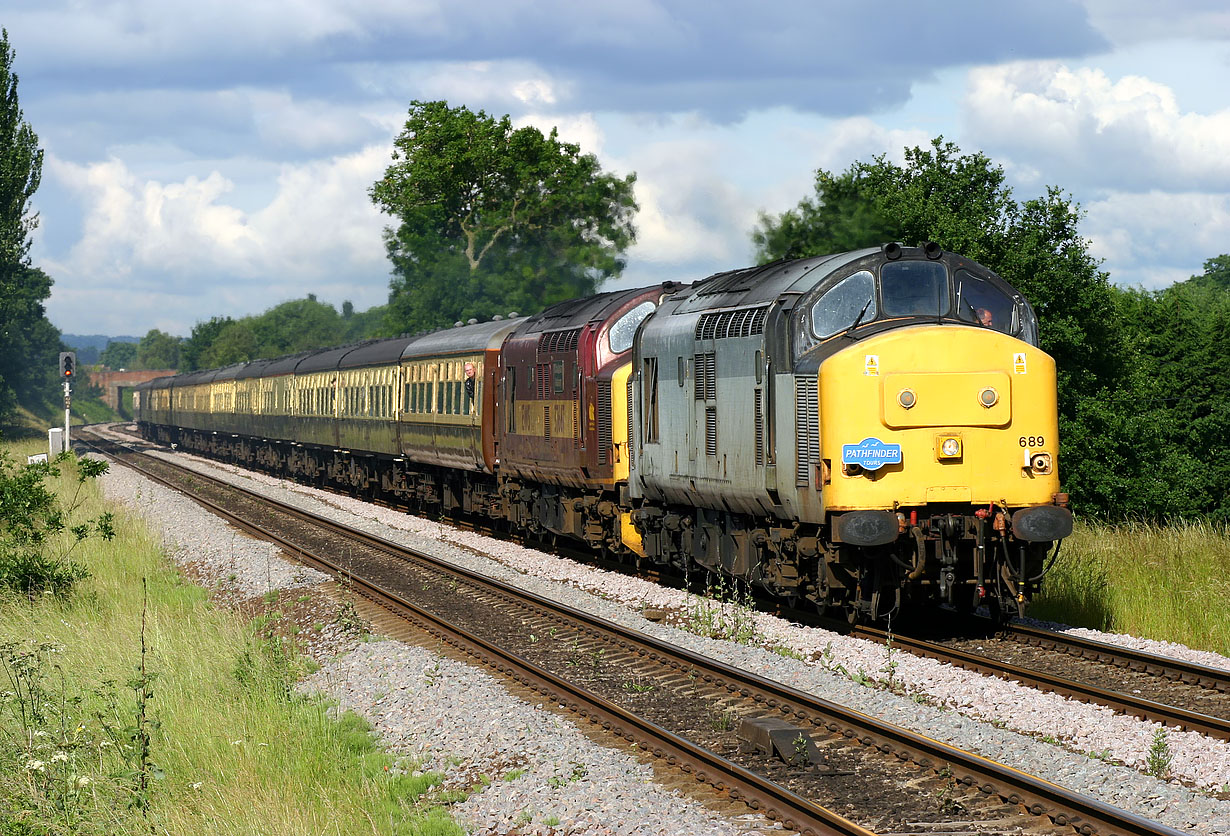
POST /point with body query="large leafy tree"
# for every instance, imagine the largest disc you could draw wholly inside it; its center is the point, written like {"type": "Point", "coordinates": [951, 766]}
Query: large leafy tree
{"type": "Point", "coordinates": [28, 342]}
{"type": "Point", "coordinates": [493, 219]}
{"type": "Point", "coordinates": [158, 350]}
{"type": "Point", "coordinates": [961, 201]}
{"type": "Point", "coordinates": [119, 354]}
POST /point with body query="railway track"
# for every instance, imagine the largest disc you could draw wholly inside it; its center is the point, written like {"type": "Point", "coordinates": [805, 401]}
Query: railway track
{"type": "Point", "coordinates": [1169, 691]}
{"type": "Point", "coordinates": [1098, 664]}
{"type": "Point", "coordinates": [780, 750]}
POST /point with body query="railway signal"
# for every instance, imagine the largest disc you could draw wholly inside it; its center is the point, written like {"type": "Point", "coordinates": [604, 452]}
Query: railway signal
{"type": "Point", "coordinates": [68, 367]}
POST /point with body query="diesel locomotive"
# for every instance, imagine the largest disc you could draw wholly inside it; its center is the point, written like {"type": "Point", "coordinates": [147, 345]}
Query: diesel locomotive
{"type": "Point", "coordinates": [869, 431]}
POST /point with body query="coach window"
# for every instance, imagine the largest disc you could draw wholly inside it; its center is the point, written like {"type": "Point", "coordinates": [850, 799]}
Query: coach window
{"type": "Point", "coordinates": [914, 288]}
{"type": "Point", "coordinates": [849, 302]}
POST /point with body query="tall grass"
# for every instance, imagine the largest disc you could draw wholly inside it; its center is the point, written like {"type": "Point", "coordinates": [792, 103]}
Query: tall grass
{"type": "Point", "coordinates": [1169, 583]}
{"type": "Point", "coordinates": [232, 750]}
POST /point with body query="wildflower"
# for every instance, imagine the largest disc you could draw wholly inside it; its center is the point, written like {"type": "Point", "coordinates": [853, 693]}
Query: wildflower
{"type": "Point", "coordinates": [40, 733]}
{"type": "Point", "coordinates": [82, 780]}
{"type": "Point", "coordinates": [103, 744]}
{"type": "Point", "coordinates": [36, 766]}
{"type": "Point", "coordinates": [60, 756]}
{"type": "Point", "coordinates": [196, 785]}
{"type": "Point", "coordinates": [236, 742]}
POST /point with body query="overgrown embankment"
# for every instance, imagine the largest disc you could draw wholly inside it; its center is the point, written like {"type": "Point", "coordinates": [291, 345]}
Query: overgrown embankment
{"type": "Point", "coordinates": [1170, 583]}
{"type": "Point", "coordinates": [129, 703]}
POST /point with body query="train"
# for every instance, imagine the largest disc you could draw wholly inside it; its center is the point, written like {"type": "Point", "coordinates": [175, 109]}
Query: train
{"type": "Point", "coordinates": [872, 432]}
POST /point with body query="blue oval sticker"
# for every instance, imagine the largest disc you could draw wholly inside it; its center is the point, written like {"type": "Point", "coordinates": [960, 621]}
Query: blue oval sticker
{"type": "Point", "coordinates": [871, 454]}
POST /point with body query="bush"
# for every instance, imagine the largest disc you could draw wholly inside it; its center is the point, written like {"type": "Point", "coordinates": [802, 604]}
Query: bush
{"type": "Point", "coordinates": [38, 533]}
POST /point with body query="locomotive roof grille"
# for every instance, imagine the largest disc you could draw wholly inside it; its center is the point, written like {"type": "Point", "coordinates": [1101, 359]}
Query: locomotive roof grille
{"type": "Point", "coordinates": [559, 340]}
{"type": "Point", "coordinates": [745, 322]}
{"type": "Point", "coordinates": [733, 281]}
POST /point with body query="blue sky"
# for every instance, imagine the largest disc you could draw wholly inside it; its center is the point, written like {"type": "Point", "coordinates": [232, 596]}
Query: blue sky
{"type": "Point", "coordinates": [214, 158]}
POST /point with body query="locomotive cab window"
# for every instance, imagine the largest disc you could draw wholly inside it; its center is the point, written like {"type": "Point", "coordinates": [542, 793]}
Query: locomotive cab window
{"type": "Point", "coordinates": [979, 302]}
{"type": "Point", "coordinates": [851, 301]}
{"type": "Point", "coordinates": [624, 330]}
{"type": "Point", "coordinates": [914, 288]}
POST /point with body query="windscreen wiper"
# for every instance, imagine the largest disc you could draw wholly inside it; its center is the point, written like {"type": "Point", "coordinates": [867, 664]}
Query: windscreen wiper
{"type": "Point", "coordinates": [858, 318]}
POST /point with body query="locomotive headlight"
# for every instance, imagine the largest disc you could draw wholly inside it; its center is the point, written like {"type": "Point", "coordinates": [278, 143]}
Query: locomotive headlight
{"type": "Point", "coordinates": [948, 447]}
{"type": "Point", "coordinates": [1041, 463]}
{"type": "Point", "coordinates": [906, 398]}
{"type": "Point", "coordinates": [988, 397]}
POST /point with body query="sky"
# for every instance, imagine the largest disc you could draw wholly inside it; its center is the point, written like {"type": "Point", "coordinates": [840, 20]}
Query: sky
{"type": "Point", "coordinates": [214, 159]}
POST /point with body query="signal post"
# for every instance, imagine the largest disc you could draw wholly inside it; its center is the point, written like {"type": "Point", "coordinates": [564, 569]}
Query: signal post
{"type": "Point", "coordinates": [68, 367]}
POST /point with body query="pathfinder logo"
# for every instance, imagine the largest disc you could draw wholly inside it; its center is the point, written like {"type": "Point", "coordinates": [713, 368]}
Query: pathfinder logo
{"type": "Point", "coordinates": [871, 454]}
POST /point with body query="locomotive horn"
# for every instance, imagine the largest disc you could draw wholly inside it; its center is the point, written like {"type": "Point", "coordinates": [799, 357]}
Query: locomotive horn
{"type": "Point", "coordinates": [932, 250]}
{"type": "Point", "coordinates": [892, 251]}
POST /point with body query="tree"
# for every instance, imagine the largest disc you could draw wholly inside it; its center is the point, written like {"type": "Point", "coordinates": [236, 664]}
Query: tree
{"type": "Point", "coordinates": [27, 339]}
{"type": "Point", "coordinates": [492, 219]}
{"type": "Point", "coordinates": [236, 343]}
{"type": "Point", "coordinates": [158, 351]}
{"type": "Point", "coordinates": [193, 349]}
{"type": "Point", "coordinates": [119, 354]}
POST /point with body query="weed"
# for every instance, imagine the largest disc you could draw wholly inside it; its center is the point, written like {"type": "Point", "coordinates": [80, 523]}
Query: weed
{"type": "Point", "coordinates": [723, 612]}
{"type": "Point", "coordinates": [638, 687]}
{"type": "Point", "coordinates": [551, 821]}
{"type": "Point", "coordinates": [801, 755]}
{"type": "Point", "coordinates": [722, 720]}
{"type": "Point", "coordinates": [787, 652]}
{"type": "Point", "coordinates": [349, 620]}
{"type": "Point", "coordinates": [513, 774]}
{"type": "Point", "coordinates": [523, 818]}
{"type": "Point", "coordinates": [579, 771]}
{"type": "Point", "coordinates": [944, 797]}
{"type": "Point", "coordinates": [1160, 758]}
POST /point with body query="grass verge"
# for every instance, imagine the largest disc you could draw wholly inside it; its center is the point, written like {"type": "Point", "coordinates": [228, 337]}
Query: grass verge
{"type": "Point", "coordinates": [136, 706]}
{"type": "Point", "coordinates": [1169, 583]}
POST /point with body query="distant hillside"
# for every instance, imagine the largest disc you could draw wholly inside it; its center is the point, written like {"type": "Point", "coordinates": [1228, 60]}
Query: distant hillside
{"type": "Point", "coordinates": [95, 341]}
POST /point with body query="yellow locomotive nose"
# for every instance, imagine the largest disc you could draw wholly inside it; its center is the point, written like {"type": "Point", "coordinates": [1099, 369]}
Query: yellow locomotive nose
{"type": "Point", "coordinates": [967, 415]}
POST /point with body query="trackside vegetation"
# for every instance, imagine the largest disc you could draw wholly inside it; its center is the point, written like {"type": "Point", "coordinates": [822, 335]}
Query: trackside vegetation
{"type": "Point", "coordinates": [1170, 583]}
{"type": "Point", "coordinates": [129, 704]}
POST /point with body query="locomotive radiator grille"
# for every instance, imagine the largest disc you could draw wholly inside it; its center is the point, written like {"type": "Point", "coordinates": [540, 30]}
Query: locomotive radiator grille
{"type": "Point", "coordinates": [552, 341]}
{"type": "Point", "coordinates": [604, 422]}
{"type": "Point", "coordinates": [546, 423]}
{"type": "Point", "coordinates": [745, 322]}
{"type": "Point", "coordinates": [705, 382]}
{"type": "Point", "coordinates": [759, 418]}
{"type": "Point", "coordinates": [807, 427]}
{"type": "Point", "coordinates": [631, 438]}
{"type": "Point", "coordinates": [711, 443]}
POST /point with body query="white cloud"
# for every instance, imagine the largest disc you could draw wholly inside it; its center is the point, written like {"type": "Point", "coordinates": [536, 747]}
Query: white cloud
{"type": "Point", "coordinates": [1154, 238]}
{"type": "Point", "coordinates": [182, 240]}
{"type": "Point", "coordinates": [1095, 131]}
